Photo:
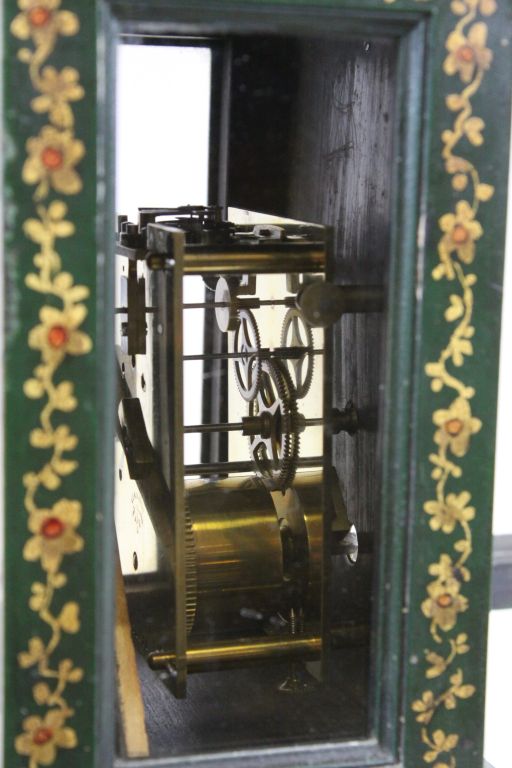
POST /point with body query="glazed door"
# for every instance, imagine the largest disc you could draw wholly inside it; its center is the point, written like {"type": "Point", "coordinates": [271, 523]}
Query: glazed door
{"type": "Point", "coordinates": [370, 137]}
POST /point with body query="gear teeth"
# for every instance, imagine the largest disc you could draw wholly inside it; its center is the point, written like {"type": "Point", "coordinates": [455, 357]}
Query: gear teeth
{"type": "Point", "coordinates": [190, 572]}
{"type": "Point", "coordinates": [248, 394]}
{"type": "Point", "coordinates": [284, 390]}
{"type": "Point", "coordinates": [301, 387]}
{"type": "Point", "coordinates": [294, 435]}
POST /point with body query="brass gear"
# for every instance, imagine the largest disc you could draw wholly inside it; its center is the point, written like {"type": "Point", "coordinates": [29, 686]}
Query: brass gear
{"type": "Point", "coordinates": [190, 571]}
{"type": "Point", "coordinates": [275, 450]}
{"type": "Point", "coordinates": [301, 336]}
{"type": "Point", "coordinates": [248, 366]}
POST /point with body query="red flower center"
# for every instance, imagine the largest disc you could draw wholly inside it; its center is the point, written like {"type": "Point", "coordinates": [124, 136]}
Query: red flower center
{"type": "Point", "coordinates": [454, 427]}
{"type": "Point", "coordinates": [52, 158]}
{"type": "Point", "coordinates": [52, 528]}
{"type": "Point", "coordinates": [39, 16]}
{"type": "Point", "coordinates": [42, 736]}
{"type": "Point", "coordinates": [444, 601]}
{"type": "Point", "coordinates": [459, 234]}
{"type": "Point", "coordinates": [58, 336]}
{"type": "Point", "coordinates": [466, 54]}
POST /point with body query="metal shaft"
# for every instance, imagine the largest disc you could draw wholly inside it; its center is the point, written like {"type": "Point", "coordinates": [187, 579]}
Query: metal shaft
{"type": "Point", "coordinates": [206, 428]}
{"type": "Point", "coordinates": [263, 354]}
{"type": "Point", "coordinates": [124, 310]}
{"type": "Point", "coordinates": [225, 467]}
{"type": "Point", "coordinates": [283, 353]}
{"type": "Point", "coordinates": [260, 262]}
{"type": "Point", "coordinates": [242, 303]}
{"type": "Point", "coordinates": [237, 426]}
{"type": "Point", "coordinates": [243, 651]}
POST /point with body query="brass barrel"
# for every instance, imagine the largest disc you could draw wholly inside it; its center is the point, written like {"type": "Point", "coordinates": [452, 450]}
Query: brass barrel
{"type": "Point", "coordinates": [253, 550]}
{"type": "Point", "coordinates": [237, 548]}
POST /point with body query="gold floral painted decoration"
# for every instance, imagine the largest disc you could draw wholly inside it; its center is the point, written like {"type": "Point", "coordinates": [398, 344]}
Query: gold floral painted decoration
{"type": "Point", "coordinates": [42, 738]}
{"type": "Point", "coordinates": [450, 511]}
{"type": "Point", "coordinates": [51, 161]}
{"type": "Point", "coordinates": [51, 167]}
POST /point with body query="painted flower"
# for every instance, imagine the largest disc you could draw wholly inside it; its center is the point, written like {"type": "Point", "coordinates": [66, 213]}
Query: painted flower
{"type": "Point", "coordinates": [54, 534]}
{"type": "Point", "coordinates": [425, 707]}
{"type": "Point", "coordinates": [446, 571]}
{"type": "Point", "coordinates": [473, 128]}
{"type": "Point", "coordinates": [447, 513]}
{"type": "Point", "coordinates": [466, 54]}
{"type": "Point", "coordinates": [441, 742]}
{"type": "Point", "coordinates": [456, 425]}
{"type": "Point", "coordinates": [461, 7]}
{"type": "Point", "coordinates": [50, 225]}
{"type": "Point", "coordinates": [42, 738]}
{"type": "Point", "coordinates": [461, 230]}
{"type": "Point", "coordinates": [444, 603]}
{"type": "Point", "coordinates": [58, 333]}
{"type": "Point", "coordinates": [487, 7]}
{"type": "Point", "coordinates": [51, 161]}
{"type": "Point", "coordinates": [57, 89]}
{"type": "Point", "coordinates": [42, 21]}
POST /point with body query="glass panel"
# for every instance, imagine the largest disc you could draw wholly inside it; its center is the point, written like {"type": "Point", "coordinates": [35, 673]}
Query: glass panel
{"type": "Point", "coordinates": [146, 139]}
{"type": "Point", "coordinates": [502, 518]}
{"type": "Point", "coordinates": [249, 342]}
{"type": "Point", "coordinates": [499, 682]}
{"type": "Point", "coordinates": [162, 121]}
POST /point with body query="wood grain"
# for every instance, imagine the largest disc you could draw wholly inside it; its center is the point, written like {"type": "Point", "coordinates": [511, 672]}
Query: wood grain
{"type": "Point", "coordinates": [131, 707]}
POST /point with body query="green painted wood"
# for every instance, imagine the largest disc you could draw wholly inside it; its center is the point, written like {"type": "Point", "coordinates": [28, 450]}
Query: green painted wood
{"type": "Point", "coordinates": [424, 194]}
{"type": "Point", "coordinates": [59, 48]}
{"type": "Point", "coordinates": [455, 731]}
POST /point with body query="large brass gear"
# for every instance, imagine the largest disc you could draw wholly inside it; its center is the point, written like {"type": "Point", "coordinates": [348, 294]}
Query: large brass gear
{"type": "Point", "coordinates": [275, 450]}
{"type": "Point", "coordinates": [248, 365]}
{"type": "Point", "coordinates": [296, 332]}
{"type": "Point", "coordinates": [190, 571]}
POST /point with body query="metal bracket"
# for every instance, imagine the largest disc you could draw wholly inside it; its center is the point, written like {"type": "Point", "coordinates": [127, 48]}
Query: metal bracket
{"type": "Point", "coordinates": [133, 297]}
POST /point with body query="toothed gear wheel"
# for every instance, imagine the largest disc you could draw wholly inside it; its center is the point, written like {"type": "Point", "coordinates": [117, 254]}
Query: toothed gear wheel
{"type": "Point", "coordinates": [297, 333]}
{"type": "Point", "coordinates": [248, 366]}
{"type": "Point", "coordinates": [190, 572]}
{"type": "Point", "coordinates": [275, 451]}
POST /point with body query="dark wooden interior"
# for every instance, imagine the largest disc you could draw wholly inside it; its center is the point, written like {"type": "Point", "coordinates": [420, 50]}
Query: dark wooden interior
{"type": "Point", "coordinates": [310, 137]}
{"type": "Point", "coordinates": [303, 128]}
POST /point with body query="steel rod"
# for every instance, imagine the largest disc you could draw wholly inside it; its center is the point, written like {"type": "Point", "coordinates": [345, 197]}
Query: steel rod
{"type": "Point", "coordinates": [263, 354]}
{"type": "Point", "coordinates": [124, 310]}
{"type": "Point", "coordinates": [283, 353]}
{"type": "Point", "coordinates": [236, 426]}
{"type": "Point", "coordinates": [252, 303]}
{"type": "Point", "coordinates": [225, 467]}
{"type": "Point", "coordinates": [193, 428]}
